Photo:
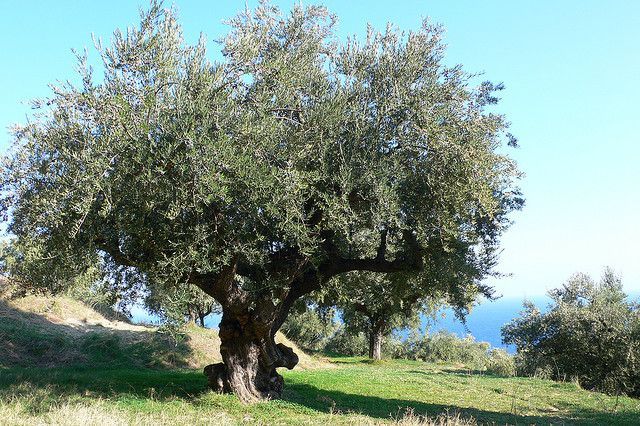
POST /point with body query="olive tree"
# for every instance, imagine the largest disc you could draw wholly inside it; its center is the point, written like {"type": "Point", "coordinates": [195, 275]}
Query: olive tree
{"type": "Point", "coordinates": [589, 332]}
{"type": "Point", "coordinates": [377, 304]}
{"type": "Point", "coordinates": [374, 308]}
{"type": "Point", "coordinates": [259, 178]}
{"type": "Point", "coordinates": [175, 305]}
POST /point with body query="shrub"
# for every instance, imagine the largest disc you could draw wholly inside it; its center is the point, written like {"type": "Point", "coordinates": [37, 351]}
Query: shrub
{"type": "Point", "coordinates": [394, 347]}
{"type": "Point", "coordinates": [500, 363]}
{"type": "Point", "coordinates": [444, 346]}
{"type": "Point", "coordinates": [590, 333]}
{"type": "Point", "coordinates": [345, 343]}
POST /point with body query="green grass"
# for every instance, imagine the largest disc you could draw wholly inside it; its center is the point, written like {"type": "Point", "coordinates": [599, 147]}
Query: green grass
{"type": "Point", "coordinates": [53, 372]}
{"type": "Point", "coordinates": [347, 391]}
{"type": "Point", "coordinates": [28, 340]}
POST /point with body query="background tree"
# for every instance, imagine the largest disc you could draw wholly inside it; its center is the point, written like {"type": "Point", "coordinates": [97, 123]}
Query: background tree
{"type": "Point", "coordinates": [372, 304]}
{"type": "Point", "coordinates": [590, 332]}
{"type": "Point", "coordinates": [311, 325]}
{"type": "Point", "coordinates": [379, 304]}
{"type": "Point", "coordinates": [177, 304]}
{"type": "Point", "coordinates": [260, 178]}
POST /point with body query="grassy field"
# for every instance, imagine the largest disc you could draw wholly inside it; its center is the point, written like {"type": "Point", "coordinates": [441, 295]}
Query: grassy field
{"type": "Point", "coordinates": [63, 363]}
{"type": "Point", "coordinates": [347, 391]}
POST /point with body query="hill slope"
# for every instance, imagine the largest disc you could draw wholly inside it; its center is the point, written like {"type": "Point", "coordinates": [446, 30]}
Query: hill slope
{"type": "Point", "coordinates": [45, 331]}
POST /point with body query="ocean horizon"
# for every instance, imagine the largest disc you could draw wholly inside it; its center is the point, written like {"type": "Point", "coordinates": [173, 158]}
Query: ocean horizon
{"type": "Point", "coordinates": [484, 322]}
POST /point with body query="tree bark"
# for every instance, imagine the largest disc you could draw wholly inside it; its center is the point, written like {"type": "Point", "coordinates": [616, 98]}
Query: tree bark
{"type": "Point", "coordinates": [192, 316]}
{"type": "Point", "coordinates": [375, 343]}
{"type": "Point", "coordinates": [250, 358]}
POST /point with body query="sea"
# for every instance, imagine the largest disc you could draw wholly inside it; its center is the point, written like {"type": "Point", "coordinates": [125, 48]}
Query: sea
{"type": "Point", "coordinates": [483, 322]}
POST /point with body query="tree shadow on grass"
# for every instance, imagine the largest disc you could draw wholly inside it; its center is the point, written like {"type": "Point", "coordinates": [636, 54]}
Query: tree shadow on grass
{"type": "Point", "coordinates": [390, 408]}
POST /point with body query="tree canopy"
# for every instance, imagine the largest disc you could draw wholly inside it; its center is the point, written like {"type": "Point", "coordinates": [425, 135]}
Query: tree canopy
{"type": "Point", "coordinates": [259, 178]}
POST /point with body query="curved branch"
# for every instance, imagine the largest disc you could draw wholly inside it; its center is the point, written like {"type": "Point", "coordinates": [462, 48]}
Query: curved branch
{"type": "Point", "coordinates": [113, 250]}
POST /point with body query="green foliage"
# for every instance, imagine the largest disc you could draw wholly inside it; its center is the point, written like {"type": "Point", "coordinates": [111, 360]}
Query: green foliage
{"type": "Point", "coordinates": [345, 342]}
{"type": "Point", "coordinates": [444, 346]}
{"type": "Point", "coordinates": [394, 347]}
{"type": "Point", "coordinates": [374, 303]}
{"type": "Point", "coordinates": [315, 328]}
{"type": "Point", "coordinates": [288, 159]}
{"type": "Point", "coordinates": [500, 363]}
{"type": "Point", "coordinates": [111, 294]}
{"type": "Point", "coordinates": [311, 327]}
{"type": "Point", "coordinates": [176, 305]}
{"type": "Point", "coordinates": [589, 333]}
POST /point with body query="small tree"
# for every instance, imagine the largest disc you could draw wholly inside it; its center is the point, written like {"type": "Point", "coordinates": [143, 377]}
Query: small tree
{"type": "Point", "coordinates": [371, 304]}
{"type": "Point", "coordinates": [177, 304]}
{"type": "Point", "coordinates": [590, 332]}
{"type": "Point", "coordinates": [260, 178]}
{"type": "Point", "coordinates": [379, 304]}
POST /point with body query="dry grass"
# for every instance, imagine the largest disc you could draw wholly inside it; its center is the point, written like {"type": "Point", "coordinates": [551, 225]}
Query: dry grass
{"type": "Point", "coordinates": [29, 406]}
{"type": "Point", "coordinates": [58, 325]}
{"type": "Point", "coordinates": [445, 419]}
{"type": "Point", "coordinates": [25, 405]}
{"type": "Point", "coordinates": [99, 414]}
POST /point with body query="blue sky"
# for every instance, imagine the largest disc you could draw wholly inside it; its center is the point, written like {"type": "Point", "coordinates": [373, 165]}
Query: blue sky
{"type": "Point", "coordinates": [572, 76]}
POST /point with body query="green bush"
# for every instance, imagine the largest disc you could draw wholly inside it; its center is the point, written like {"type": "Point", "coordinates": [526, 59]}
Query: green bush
{"type": "Point", "coordinates": [590, 333]}
{"type": "Point", "coordinates": [394, 347]}
{"type": "Point", "coordinates": [444, 346]}
{"type": "Point", "coordinates": [310, 327]}
{"type": "Point", "coordinates": [344, 342]}
{"type": "Point", "coordinates": [500, 363]}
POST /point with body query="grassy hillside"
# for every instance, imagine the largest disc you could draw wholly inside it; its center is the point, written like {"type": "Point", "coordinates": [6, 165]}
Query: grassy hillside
{"type": "Point", "coordinates": [62, 363]}
{"type": "Point", "coordinates": [39, 331]}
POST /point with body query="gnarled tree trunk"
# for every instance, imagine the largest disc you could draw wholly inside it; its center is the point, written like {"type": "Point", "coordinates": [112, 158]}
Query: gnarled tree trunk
{"type": "Point", "coordinates": [250, 358]}
{"type": "Point", "coordinates": [250, 320]}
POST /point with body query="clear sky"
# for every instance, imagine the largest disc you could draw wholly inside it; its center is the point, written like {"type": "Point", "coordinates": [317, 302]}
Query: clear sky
{"type": "Point", "coordinates": [572, 74]}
